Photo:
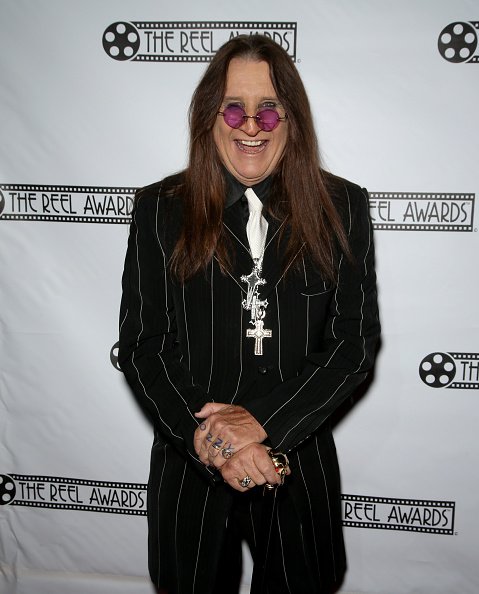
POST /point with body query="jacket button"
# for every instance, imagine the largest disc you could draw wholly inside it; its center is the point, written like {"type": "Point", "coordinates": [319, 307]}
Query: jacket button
{"type": "Point", "coordinates": [262, 370]}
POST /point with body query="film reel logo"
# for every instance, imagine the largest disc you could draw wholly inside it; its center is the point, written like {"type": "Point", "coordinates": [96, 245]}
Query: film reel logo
{"type": "Point", "coordinates": [114, 356]}
{"type": "Point", "coordinates": [450, 370]}
{"type": "Point", "coordinates": [7, 489]}
{"type": "Point", "coordinates": [2, 203]}
{"type": "Point", "coordinates": [121, 41]}
{"type": "Point", "coordinates": [458, 41]}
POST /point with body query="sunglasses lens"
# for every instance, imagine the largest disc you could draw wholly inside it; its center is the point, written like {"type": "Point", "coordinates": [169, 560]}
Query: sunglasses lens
{"type": "Point", "coordinates": [233, 115]}
{"type": "Point", "coordinates": [268, 119]}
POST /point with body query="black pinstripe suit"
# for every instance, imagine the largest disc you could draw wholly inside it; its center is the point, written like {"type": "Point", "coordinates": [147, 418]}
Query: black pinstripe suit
{"type": "Point", "coordinates": [181, 346]}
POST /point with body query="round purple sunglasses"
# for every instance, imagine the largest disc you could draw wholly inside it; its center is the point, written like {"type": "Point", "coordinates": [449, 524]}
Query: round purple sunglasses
{"type": "Point", "coordinates": [266, 118]}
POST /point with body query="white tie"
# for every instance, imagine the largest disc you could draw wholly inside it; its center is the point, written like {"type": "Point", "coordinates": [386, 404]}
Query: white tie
{"type": "Point", "coordinates": [257, 225]}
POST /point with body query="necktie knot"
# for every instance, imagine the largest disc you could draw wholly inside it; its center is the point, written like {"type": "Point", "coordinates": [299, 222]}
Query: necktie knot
{"type": "Point", "coordinates": [254, 203]}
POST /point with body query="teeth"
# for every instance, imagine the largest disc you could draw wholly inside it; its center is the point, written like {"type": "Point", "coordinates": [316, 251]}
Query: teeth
{"type": "Point", "coordinates": [251, 142]}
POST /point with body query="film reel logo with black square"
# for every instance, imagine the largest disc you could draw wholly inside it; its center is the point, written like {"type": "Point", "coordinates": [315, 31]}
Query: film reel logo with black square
{"type": "Point", "coordinates": [457, 42]}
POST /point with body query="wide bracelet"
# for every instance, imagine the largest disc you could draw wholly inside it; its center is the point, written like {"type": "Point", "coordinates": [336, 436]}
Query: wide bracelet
{"type": "Point", "coordinates": [281, 463]}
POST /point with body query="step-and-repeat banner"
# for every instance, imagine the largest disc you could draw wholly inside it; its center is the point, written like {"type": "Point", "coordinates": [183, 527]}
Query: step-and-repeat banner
{"type": "Point", "coordinates": [93, 104]}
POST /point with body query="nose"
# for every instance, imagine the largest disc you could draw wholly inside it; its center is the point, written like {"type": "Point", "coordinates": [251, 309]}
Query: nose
{"type": "Point", "coordinates": [250, 126]}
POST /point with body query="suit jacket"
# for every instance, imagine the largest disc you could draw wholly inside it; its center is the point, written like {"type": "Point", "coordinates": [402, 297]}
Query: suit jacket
{"type": "Point", "coordinates": [184, 345]}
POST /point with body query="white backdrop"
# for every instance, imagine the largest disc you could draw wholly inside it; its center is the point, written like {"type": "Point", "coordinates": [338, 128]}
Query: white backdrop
{"type": "Point", "coordinates": [394, 88]}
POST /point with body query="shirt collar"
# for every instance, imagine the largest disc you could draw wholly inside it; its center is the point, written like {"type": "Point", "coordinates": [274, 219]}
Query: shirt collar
{"type": "Point", "coordinates": [235, 189]}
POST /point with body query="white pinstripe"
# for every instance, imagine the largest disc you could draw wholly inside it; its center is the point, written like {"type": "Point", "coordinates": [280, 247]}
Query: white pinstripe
{"type": "Point", "coordinates": [310, 509]}
{"type": "Point", "coordinates": [237, 239]}
{"type": "Point", "coordinates": [212, 332]}
{"type": "Point", "coordinates": [282, 554]}
{"type": "Point", "coordinates": [199, 540]}
{"type": "Point", "coordinates": [273, 511]}
{"type": "Point", "coordinates": [124, 319]}
{"type": "Point", "coordinates": [176, 528]}
{"type": "Point", "coordinates": [186, 327]}
{"type": "Point", "coordinates": [252, 522]}
{"type": "Point", "coordinates": [329, 508]}
{"type": "Point", "coordinates": [279, 334]}
{"type": "Point", "coordinates": [307, 306]}
{"type": "Point", "coordinates": [158, 507]}
{"type": "Point", "coordinates": [241, 312]}
{"type": "Point", "coordinates": [307, 326]}
{"type": "Point", "coordinates": [336, 297]}
{"type": "Point", "coordinates": [305, 554]}
{"type": "Point", "coordinates": [165, 278]}
{"type": "Point", "coordinates": [304, 270]}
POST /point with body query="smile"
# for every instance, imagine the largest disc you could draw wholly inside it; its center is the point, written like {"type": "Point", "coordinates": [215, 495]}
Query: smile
{"type": "Point", "coordinates": [251, 146]}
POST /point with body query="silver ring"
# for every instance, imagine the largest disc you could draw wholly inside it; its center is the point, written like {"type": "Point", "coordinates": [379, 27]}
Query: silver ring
{"type": "Point", "coordinates": [245, 482]}
{"type": "Point", "coordinates": [227, 453]}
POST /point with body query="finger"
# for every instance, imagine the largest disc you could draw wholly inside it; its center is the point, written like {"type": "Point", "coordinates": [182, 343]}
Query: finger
{"type": "Point", "coordinates": [232, 472]}
{"type": "Point", "coordinates": [209, 408]}
{"type": "Point", "coordinates": [253, 460]}
{"type": "Point", "coordinates": [256, 476]}
{"type": "Point", "coordinates": [244, 484]}
{"type": "Point", "coordinates": [247, 482]}
{"type": "Point", "coordinates": [266, 467]}
{"type": "Point", "coordinates": [205, 444]}
{"type": "Point", "coordinates": [197, 440]}
{"type": "Point", "coordinates": [236, 486]}
{"type": "Point", "coordinates": [199, 436]}
{"type": "Point", "coordinates": [221, 456]}
{"type": "Point", "coordinates": [214, 449]}
{"type": "Point", "coordinates": [237, 425]}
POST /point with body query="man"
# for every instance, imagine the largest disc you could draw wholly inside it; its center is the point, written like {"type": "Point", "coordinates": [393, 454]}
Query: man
{"type": "Point", "coordinates": [249, 314]}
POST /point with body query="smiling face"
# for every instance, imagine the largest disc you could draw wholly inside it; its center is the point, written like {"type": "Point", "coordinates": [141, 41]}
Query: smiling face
{"type": "Point", "coordinates": [249, 153]}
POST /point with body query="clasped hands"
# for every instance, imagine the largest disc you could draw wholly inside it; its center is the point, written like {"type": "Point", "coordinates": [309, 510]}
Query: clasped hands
{"type": "Point", "coordinates": [230, 439]}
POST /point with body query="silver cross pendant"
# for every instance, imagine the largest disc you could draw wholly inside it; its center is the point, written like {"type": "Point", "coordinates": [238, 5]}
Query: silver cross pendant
{"type": "Point", "coordinates": [254, 280]}
{"type": "Point", "coordinates": [256, 306]}
{"type": "Point", "coordinates": [258, 334]}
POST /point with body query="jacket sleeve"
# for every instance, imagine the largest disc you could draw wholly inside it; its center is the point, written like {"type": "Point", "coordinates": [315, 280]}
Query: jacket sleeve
{"type": "Point", "coordinates": [149, 353]}
{"type": "Point", "coordinates": [296, 408]}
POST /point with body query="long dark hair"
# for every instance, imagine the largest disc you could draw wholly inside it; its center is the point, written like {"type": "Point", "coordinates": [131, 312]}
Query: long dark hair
{"type": "Point", "coordinates": [299, 186]}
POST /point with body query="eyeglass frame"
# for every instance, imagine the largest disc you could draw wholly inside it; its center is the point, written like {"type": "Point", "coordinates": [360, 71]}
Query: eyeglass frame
{"type": "Point", "coordinates": [255, 117]}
